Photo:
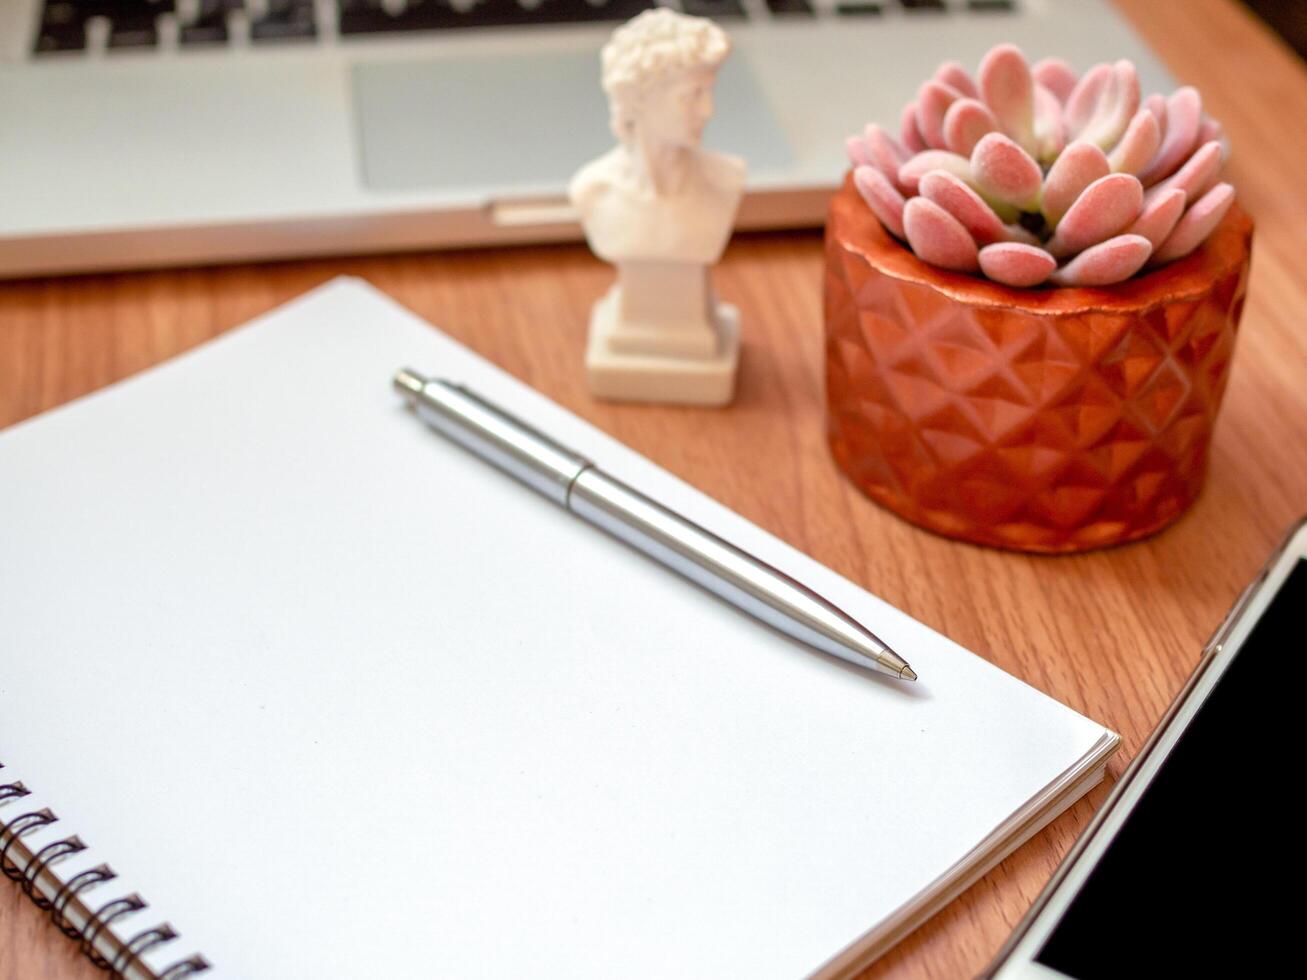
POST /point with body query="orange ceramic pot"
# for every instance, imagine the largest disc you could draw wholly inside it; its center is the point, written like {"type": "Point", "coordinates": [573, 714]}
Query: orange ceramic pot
{"type": "Point", "coordinates": [1045, 419]}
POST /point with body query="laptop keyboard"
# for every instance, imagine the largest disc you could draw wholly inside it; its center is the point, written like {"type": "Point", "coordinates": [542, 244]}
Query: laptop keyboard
{"type": "Point", "coordinates": [81, 25]}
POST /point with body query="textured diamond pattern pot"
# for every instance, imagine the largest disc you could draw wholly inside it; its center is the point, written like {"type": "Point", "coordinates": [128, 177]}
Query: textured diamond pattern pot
{"type": "Point", "coordinates": [1047, 420]}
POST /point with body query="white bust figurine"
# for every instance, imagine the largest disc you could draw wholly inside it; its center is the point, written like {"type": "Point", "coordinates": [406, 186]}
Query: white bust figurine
{"type": "Point", "coordinates": [661, 208]}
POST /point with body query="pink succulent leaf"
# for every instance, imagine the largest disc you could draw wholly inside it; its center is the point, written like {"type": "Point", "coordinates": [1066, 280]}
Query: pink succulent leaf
{"type": "Point", "coordinates": [882, 197]}
{"type": "Point", "coordinates": [1082, 103]}
{"type": "Point", "coordinates": [886, 153]}
{"type": "Point", "coordinates": [1184, 110]}
{"type": "Point", "coordinates": [874, 134]}
{"type": "Point", "coordinates": [1138, 146]}
{"type": "Point", "coordinates": [959, 200]}
{"type": "Point", "coordinates": [1105, 208]}
{"type": "Point", "coordinates": [1079, 166]}
{"type": "Point", "coordinates": [933, 100]}
{"type": "Point", "coordinates": [966, 121]}
{"type": "Point", "coordinates": [1116, 107]}
{"type": "Point", "coordinates": [1117, 113]}
{"type": "Point", "coordinates": [911, 172]}
{"type": "Point", "coordinates": [1160, 213]}
{"type": "Point", "coordinates": [1104, 98]}
{"type": "Point", "coordinates": [1050, 131]}
{"type": "Point", "coordinates": [1198, 173]}
{"type": "Point", "coordinates": [1156, 104]}
{"type": "Point", "coordinates": [1016, 233]}
{"type": "Point", "coordinates": [1197, 223]}
{"type": "Point", "coordinates": [858, 151]}
{"type": "Point", "coordinates": [1112, 261]}
{"type": "Point", "coordinates": [1208, 130]}
{"type": "Point", "coordinates": [1056, 76]}
{"type": "Point", "coordinates": [1006, 86]}
{"type": "Point", "coordinates": [908, 132]}
{"type": "Point", "coordinates": [1017, 169]}
{"type": "Point", "coordinates": [1004, 171]}
{"type": "Point", "coordinates": [955, 76]}
{"type": "Point", "coordinates": [1015, 264]}
{"type": "Point", "coordinates": [937, 237]}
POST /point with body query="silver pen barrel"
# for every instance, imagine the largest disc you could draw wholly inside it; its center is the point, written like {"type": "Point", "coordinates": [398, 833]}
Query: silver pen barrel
{"type": "Point", "coordinates": [763, 591]}
{"type": "Point", "coordinates": [694, 552]}
{"type": "Point", "coordinates": [497, 437]}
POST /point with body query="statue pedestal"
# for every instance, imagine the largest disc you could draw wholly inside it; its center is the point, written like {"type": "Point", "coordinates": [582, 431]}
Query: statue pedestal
{"type": "Point", "coordinates": [691, 361]}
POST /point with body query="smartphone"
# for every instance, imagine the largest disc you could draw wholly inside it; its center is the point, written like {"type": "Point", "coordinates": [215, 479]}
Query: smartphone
{"type": "Point", "coordinates": [1194, 866]}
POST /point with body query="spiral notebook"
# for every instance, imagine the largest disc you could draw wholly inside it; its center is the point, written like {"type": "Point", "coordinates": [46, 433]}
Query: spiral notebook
{"type": "Point", "coordinates": [290, 686]}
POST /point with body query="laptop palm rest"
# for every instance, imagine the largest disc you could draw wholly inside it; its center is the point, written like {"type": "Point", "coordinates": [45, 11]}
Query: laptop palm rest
{"type": "Point", "coordinates": [522, 121]}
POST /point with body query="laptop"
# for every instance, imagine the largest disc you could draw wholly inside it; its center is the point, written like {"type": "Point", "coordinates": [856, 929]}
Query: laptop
{"type": "Point", "coordinates": [140, 133]}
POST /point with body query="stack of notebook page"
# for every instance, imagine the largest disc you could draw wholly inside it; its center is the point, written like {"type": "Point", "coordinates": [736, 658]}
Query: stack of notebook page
{"type": "Point", "coordinates": [328, 696]}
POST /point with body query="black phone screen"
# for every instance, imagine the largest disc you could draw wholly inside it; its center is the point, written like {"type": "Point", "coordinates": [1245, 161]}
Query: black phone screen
{"type": "Point", "coordinates": [1204, 878]}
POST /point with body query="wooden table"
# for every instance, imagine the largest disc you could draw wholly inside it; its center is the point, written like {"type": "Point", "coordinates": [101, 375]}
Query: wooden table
{"type": "Point", "coordinates": [1112, 634]}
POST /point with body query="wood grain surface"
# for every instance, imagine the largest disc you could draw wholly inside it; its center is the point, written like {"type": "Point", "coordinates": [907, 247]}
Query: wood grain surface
{"type": "Point", "coordinates": [1112, 634]}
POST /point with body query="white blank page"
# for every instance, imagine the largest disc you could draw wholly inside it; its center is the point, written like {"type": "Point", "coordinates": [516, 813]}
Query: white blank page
{"type": "Point", "coordinates": [342, 700]}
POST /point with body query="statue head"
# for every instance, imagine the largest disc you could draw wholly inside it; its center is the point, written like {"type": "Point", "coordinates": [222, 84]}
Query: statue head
{"type": "Point", "coordinates": [658, 72]}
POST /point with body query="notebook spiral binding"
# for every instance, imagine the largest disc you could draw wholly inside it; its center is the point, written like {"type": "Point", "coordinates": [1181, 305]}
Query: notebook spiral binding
{"type": "Point", "coordinates": [86, 923]}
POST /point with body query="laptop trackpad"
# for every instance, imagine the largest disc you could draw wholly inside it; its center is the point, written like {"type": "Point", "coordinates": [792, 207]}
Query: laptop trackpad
{"type": "Point", "coordinates": [522, 121]}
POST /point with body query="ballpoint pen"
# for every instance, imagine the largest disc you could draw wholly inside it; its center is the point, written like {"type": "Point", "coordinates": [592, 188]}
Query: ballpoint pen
{"type": "Point", "coordinates": [574, 482]}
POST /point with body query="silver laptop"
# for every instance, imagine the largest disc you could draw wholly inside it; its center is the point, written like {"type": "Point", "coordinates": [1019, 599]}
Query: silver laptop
{"type": "Point", "coordinates": [154, 132]}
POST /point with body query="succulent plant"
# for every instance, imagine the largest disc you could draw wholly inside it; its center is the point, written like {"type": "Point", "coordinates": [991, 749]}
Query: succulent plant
{"type": "Point", "coordinates": [1031, 174]}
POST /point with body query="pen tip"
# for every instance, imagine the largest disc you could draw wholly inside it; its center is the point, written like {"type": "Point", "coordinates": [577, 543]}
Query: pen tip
{"type": "Point", "coordinates": [409, 383]}
{"type": "Point", "coordinates": [907, 673]}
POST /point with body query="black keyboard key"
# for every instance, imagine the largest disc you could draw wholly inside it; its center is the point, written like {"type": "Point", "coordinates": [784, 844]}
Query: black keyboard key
{"type": "Point", "coordinates": [369, 17]}
{"type": "Point", "coordinates": [503, 13]}
{"type": "Point", "coordinates": [923, 6]}
{"type": "Point", "coordinates": [52, 39]}
{"type": "Point", "coordinates": [857, 8]}
{"type": "Point", "coordinates": [716, 9]}
{"type": "Point", "coordinates": [63, 28]}
{"type": "Point", "coordinates": [133, 29]}
{"type": "Point", "coordinates": [115, 8]}
{"type": "Point", "coordinates": [204, 31]}
{"type": "Point", "coordinates": [991, 6]}
{"type": "Point", "coordinates": [132, 23]}
{"type": "Point", "coordinates": [790, 8]}
{"type": "Point", "coordinates": [285, 20]}
{"type": "Point", "coordinates": [209, 25]}
{"type": "Point", "coordinates": [500, 13]}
